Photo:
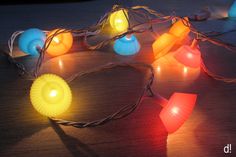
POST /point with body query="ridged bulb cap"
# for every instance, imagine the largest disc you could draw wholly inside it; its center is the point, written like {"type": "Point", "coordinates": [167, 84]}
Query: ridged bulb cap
{"type": "Point", "coordinates": [50, 95]}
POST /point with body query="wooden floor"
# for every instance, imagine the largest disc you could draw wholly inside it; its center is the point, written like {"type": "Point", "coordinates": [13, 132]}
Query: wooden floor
{"type": "Point", "coordinates": [25, 133]}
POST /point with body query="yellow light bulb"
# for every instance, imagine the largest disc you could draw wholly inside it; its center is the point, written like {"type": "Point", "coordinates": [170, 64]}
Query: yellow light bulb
{"type": "Point", "coordinates": [118, 20]}
{"type": "Point", "coordinates": [53, 93]}
{"type": "Point", "coordinates": [50, 95]}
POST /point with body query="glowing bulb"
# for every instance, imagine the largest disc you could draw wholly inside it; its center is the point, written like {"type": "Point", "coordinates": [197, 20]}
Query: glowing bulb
{"type": "Point", "coordinates": [175, 110]}
{"type": "Point", "coordinates": [56, 40]}
{"type": "Point", "coordinates": [118, 20]}
{"type": "Point", "coordinates": [180, 29]}
{"type": "Point", "coordinates": [50, 95]}
{"type": "Point", "coordinates": [163, 45]}
{"type": "Point", "coordinates": [61, 43]}
{"type": "Point", "coordinates": [189, 55]}
{"type": "Point", "coordinates": [53, 93]}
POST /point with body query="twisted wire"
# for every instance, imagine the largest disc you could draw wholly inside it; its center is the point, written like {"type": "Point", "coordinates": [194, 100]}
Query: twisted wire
{"type": "Point", "coordinates": [202, 37]}
{"type": "Point", "coordinates": [121, 113]}
{"type": "Point", "coordinates": [215, 76]}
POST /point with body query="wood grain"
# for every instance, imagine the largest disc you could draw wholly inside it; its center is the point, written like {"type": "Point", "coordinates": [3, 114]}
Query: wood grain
{"type": "Point", "coordinates": [25, 133]}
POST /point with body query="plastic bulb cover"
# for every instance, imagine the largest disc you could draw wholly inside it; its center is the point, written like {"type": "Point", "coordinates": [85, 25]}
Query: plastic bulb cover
{"type": "Point", "coordinates": [50, 95]}
{"type": "Point", "coordinates": [179, 29]}
{"type": "Point", "coordinates": [177, 111]}
{"type": "Point", "coordinates": [232, 10]}
{"type": "Point", "coordinates": [163, 45]}
{"type": "Point", "coordinates": [190, 57]}
{"type": "Point", "coordinates": [118, 20]}
{"type": "Point", "coordinates": [60, 43]}
{"type": "Point", "coordinates": [127, 45]}
{"type": "Point", "coordinates": [31, 40]}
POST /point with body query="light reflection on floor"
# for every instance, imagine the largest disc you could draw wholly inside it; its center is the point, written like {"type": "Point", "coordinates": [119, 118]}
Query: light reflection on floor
{"type": "Point", "coordinates": [168, 69]}
{"type": "Point", "coordinates": [178, 142]}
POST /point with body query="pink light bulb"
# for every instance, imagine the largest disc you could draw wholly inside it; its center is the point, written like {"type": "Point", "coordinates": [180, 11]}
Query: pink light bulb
{"type": "Point", "coordinates": [188, 56]}
{"type": "Point", "coordinates": [177, 110]}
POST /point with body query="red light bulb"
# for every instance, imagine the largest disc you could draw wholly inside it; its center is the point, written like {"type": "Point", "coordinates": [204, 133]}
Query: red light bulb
{"type": "Point", "coordinates": [176, 111]}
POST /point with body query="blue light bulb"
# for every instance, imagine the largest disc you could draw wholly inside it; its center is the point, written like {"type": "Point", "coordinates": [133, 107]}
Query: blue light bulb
{"type": "Point", "coordinates": [232, 10]}
{"type": "Point", "coordinates": [31, 40]}
{"type": "Point", "coordinates": [127, 45]}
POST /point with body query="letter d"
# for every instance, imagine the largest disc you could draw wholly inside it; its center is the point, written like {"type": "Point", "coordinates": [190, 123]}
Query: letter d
{"type": "Point", "coordinates": [226, 149]}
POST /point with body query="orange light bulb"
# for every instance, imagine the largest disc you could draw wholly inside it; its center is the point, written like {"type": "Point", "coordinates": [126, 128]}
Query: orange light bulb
{"type": "Point", "coordinates": [163, 45]}
{"type": "Point", "coordinates": [180, 29]}
{"type": "Point", "coordinates": [60, 43]}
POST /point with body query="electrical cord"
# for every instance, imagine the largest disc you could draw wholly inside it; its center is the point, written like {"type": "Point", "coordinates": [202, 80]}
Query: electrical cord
{"type": "Point", "coordinates": [121, 113]}
{"type": "Point", "coordinates": [140, 11]}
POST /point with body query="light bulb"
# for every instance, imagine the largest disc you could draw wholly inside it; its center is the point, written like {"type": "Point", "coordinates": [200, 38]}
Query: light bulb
{"type": "Point", "coordinates": [56, 40]}
{"type": "Point", "coordinates": [31, 40]}
{"type": "Point", "coordinates": [176, 110]}
{"type": "Point", "coordinates": [53, 93]}
{"type": "Point", "coordinates": [127, 45]}
{"type": "Point", "coordinates": [188, 56]}
{"type": "Point", "coordinates": [180, 29]}
{"type": "Point", "coordinates": [60, 44]}
{"type": "Point", "coordinates": [163, 45]}
{"type": "Point", "coordinates": [50, 95]}
{"type": "Point", "coordinates": [118, 20]}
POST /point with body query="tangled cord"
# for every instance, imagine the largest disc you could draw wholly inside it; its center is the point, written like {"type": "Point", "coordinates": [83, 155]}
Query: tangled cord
{"type": "Point", "coordinates": [121, 113]}
{"type": "Point", "coordinates": [95, 30]}
{"type": "Point", "coordinates": [143, 12]}
{"type": "Point", "coordinates": [200, 36]}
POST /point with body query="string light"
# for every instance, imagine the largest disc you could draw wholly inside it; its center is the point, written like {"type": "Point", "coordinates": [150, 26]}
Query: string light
{"type": "Point", "coordinates": [31, 41]}
{"type": "Point", "coordinates": [128, 45]}
{"type": "Point", "coordinates": [60, 43]}
{"type": "Point", "coordinates": [163, 45]}
{"type": "Point", "coordinates": [177, 110]}
{"type": "Point", "coordinates": [179, 29]}
{"type": "Point", "coordinates": [188, 56]}
{"type": "Point", "coordinates": [118, 20]}
{"type": "Point", "coordinates": [50, 95]}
